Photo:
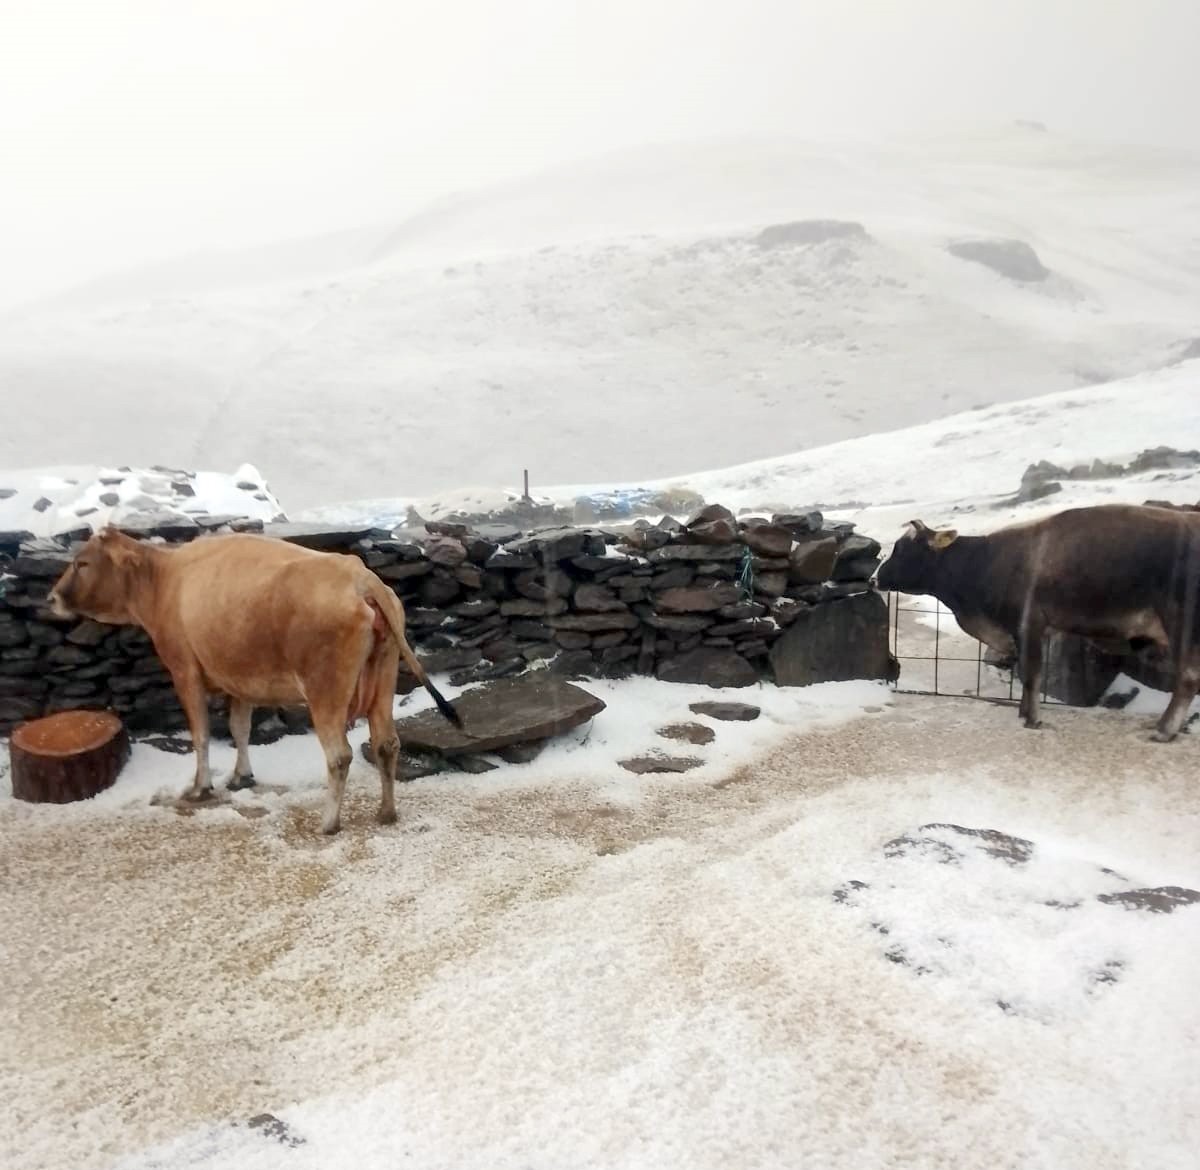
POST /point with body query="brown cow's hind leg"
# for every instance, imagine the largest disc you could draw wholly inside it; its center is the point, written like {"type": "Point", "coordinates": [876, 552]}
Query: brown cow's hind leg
{"type": "Point", "coordinates": [332, 684]}
{"type": "Point", "coordinates": [239, 727]}
{"type": "Point", "coordinates": [329, 721]}
{"type": "Point", "coordinates": [386, 746]}
{"type": "Point", "coordinates": [331, 731]}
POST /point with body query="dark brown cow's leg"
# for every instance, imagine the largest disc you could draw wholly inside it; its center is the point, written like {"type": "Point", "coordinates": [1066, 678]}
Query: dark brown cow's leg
{"type": "Point", "coordinates": [1187, 682]}
{"type": "Point", "coordinates": [239, 727]}
{"type": "Point", "coordinates": [1031, 675]}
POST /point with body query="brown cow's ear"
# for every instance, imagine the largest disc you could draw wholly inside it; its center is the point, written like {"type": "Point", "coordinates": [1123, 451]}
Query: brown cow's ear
{"type": "Point", "coordinates": [944, 539]}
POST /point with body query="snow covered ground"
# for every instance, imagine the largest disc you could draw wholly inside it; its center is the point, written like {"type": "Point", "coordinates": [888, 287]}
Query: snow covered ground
{"type": "Point", "coordinates": [621, 319]}
{"type": "Point", "coordinates": [564, 966]}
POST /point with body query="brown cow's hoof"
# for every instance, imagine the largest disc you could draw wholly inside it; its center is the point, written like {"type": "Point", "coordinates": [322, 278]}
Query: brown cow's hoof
{"type": "Point", "coordinates": [331, 830]}
{"type": "Point", "coordinates": [237, 783]}
{"type": "Point", "coordinates": [386, 818]}
{"type": "Point", "coordinates": [192, 796]}
{"type": "Point", "coordinates": [1162, 737]}
{"type": "Point", "coordinates": [1036, 725]}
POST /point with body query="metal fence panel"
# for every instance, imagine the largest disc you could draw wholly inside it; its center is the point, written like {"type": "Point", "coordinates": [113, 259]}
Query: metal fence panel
{"type": "Point", "coordinates": [904, 623]}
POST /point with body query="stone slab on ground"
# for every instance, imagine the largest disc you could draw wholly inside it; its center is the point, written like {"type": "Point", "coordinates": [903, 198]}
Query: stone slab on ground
{"type": "Point", "coordinates": [711, 665]}
{"type": "Point", "coordinates": [508, 711]}
{"type": "Point", "coordinates": [647, 765]}
{"type": "Point", "coordinates": [696, 733]}
{"type": "Point", "coordinates": [729, 712]}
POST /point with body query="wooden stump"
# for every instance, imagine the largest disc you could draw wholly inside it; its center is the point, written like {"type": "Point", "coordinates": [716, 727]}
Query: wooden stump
{"type": "Point", "coordinates": [66, 757]}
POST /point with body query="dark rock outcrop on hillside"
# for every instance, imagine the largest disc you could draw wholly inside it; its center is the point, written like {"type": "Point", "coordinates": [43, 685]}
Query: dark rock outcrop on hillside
{"type": "Point", "coordinates": [1013, 259]}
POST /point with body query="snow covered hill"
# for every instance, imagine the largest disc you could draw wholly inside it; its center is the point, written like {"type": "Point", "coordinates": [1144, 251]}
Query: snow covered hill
{"type": "Point", "coordinates": [625, 319]}
{"type": "Point", "coordinates": [963, 470]}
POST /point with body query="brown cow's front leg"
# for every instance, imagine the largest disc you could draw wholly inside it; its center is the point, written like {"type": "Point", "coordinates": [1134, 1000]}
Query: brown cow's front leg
{"type": "Point", "coordinates": [239, 727]}
{"type": "Point", "coordinates": [194, 700]}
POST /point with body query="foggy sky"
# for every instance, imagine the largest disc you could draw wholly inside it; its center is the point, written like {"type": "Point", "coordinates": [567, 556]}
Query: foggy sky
{"type": "Point", "coordinates": [137, 129]}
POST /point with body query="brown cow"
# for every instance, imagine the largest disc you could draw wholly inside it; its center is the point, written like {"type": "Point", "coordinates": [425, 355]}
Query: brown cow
{"type": "Point", "coordinates": [268, 624]}
{"type": "Point", "coordinates": [1113, 572]}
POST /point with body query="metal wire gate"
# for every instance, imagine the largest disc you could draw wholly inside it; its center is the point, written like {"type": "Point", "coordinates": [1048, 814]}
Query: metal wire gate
{"type": "Point", "coordinates": [937, 666]}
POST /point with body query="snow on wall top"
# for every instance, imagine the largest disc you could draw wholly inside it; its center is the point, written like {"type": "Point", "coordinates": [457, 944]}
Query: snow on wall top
{"type": "Point", "coordinates": [50, 500]}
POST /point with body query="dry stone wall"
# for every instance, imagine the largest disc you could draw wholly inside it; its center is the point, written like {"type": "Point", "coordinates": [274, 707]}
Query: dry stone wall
{"type": "Point", "coordinates": [709, 601]}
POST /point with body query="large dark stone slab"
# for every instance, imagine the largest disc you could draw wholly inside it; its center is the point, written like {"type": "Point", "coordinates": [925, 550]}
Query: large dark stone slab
{"type": "Point", "coordinates": [591, 622]}
{"type": "Point", "coordinates": [323, 536]}
{"type": "Point", "coordinates": [44, 559]}
{"type": "Point", "coordinates": [597, 599]}
{"type": "Point", "coordinates": [812, 561]}
{"type": "Point", "coordinates": [445, 550]}
{"type": "Point", "coordinates": [835, 642]}
{"type": "Point", "coordinates": [542, 583]}
{"type": "Point", "coordinates": [683, 623]}
{"type": "Point", "coordinates": [561, 544]}
{"type": "Point", "coordinates": [404, 570]}
{"type": "Point", "coordinates": [730, 712]}
{"type": "Point", "coordinates": [712, 524]}
{"type": "Point", "coordinates": [524, 607]}
{"type": "Point", "coordinates": [710, 665]}
{"type": "Point", "coordinates": [695, 552]}
{"type": "Point", "coordinates": [768, 540]}
{"type": "Point", "coordinates": [168, 525]}
{"type": "Point", "coordinates": [696, 598]}
{"type": "Point", "coordinates": [500, 713]}
{"type": "Point", "coordinates": [452, 658]}
{"type": "Point", "coordinates": [1077, 671]}
{"type": "Point", "coordinates": [503, 559]}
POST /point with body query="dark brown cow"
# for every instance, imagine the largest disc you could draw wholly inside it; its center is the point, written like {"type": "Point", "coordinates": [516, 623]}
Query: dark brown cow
{"type": "Point", "coordinates": [268, 624]}
{"type": "Point", "coordinates": [1115, 572]}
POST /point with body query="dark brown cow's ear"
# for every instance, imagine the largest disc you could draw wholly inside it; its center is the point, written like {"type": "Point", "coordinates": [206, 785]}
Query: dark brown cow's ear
{"type": "Point", "coordinates": [944, 539]}
{"type": "Point", "coordinates": [918, 527]}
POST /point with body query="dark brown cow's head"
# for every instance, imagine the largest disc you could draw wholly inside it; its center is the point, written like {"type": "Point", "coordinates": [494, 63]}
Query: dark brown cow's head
{"type": "Point", "coordinates": [100, 580]}
{"type": "Point", "coordinates": [912, 566]}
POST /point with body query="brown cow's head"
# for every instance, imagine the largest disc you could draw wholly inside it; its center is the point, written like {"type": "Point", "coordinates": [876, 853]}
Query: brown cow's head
{"type": "Point", "coordinates": [912, 566]}
{"type": "Point", "coordinates": [100, 580]}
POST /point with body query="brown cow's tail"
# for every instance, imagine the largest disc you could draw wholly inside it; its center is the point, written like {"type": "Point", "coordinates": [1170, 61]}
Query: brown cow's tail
{"type": "Point", "coordinates": [387, 606]}
{"type": "Point", "coordinates": [414, 665]}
